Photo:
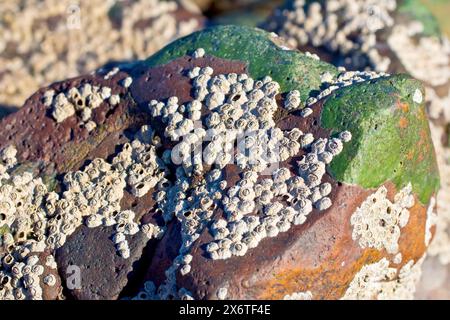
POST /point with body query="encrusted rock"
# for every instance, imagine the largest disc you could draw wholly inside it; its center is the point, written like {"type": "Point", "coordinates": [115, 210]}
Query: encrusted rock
{"type": "Point", "coordinates": [206, 179]}
{"type": "Point", "coordinates": [388, 36]}
{"type": "Point", "coordinates": [45, 41]}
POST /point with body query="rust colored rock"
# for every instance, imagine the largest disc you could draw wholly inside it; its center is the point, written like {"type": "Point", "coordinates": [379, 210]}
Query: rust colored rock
{"type": "Point", "coordinates": [103, 273]}
{"type": "Point", "coordinates": [51, 281]}
{"type": "Point", "coordinates": [347, 164]}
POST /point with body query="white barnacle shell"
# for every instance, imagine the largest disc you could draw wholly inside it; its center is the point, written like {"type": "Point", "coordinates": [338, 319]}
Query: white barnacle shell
{"type": "Point", "coordinates": [238, 249]}
{"type": "Point", "coordinates": [222, 293]}
{"type": "Point", "coordinates": [50, 280]}
{"type": "Point", "coordinates": [32, 260]}
{"type": "Point", "coordinates": [272, 231]}
{"type": "Point", "coordinates": [93, 221]}
{"type": "Point", "coordinates": [283, 225]}
{"type": "Point", "coordinates": [299, 219]}
{"type": "Point", "coordinates": [306, 140]}
{"type": "Point", "coordinates": [212, 246]}
{"type": "Point", "coordinates": [281, 175]}
{"type": "Point", "coordinates": [326, 157]}
{"type": "Point", "coordinates": [37, 269]}
{"type": "Point", "coordinates": [198, 53]}
{"type": "Point", "coordinates": [306, 112]}
{"type": "Point", "coordinates": [323, 204]}
{"type": "Point", "coordinates": [118, 237]}
{"type": "Point", "coordinates": [345, 136]}
{"type": "Point", "coordinates": [127, 82]}
{"type": "Point", "coordinates": [334, 146]}
{"type": "Point", "coordinates": [185, 269]}
{"type": "Point", "coordinates": [325, 189]}
{"type": "Point", "coordinates": [418, 97]}
{"type": "Point", "coordinates": [114, 99]}
{"type": "Point", "coordinates": [246, 193]}
{"type": "Point", "coordinates": [221, 233]}
{"type": "Point", "coordinates": [207, 71]}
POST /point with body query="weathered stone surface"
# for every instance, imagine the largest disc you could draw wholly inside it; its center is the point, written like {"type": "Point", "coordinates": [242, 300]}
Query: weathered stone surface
{"type": "Point", "coordinates": [50, 291]}
{"type": "Point", "coordinates": [104, 274]}
{"type": "Point", "coordinates": [320, 255]}
{"type": "Point", "coordinates": [408, 41]}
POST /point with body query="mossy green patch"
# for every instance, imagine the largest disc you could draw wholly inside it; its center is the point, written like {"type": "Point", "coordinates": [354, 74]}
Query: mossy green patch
{"type": "Point", "coordinates": [4, 229]}
{"type": "Point", "coordinates": [391, 137]}
{"type": "Point", "coordinates": [291, 69]}
{"type": "Point", "coordinates": [415, 9]}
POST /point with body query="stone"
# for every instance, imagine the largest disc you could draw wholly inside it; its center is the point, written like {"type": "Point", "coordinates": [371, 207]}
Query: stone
{"type": "Point", "coordinates": [360, 136]}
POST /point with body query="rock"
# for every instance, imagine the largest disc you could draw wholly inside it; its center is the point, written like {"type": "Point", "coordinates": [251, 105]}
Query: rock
{"type": "Point", "coordinates": [399, 36]}
{"type": "Point", "coordinates": [144, 223]}
{"type": "Point", "coordinates": [275, 273]}
{"type": "Point", "coordinates": [102, 32]}
{"type": "Point", "coordinates": [104, 274]}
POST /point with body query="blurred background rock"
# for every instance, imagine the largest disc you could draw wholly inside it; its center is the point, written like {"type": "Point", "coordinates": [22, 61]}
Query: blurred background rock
{"type": "Point", "coordinates": [42, 41]}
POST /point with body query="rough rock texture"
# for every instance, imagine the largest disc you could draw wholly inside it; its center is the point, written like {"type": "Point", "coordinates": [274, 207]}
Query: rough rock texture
{"type": "Point", "coordinates": [319, 255]}
{"type": "Point", "coordinates": [393, 36]}
{"type": "Point", "coordinates": [46, 41]}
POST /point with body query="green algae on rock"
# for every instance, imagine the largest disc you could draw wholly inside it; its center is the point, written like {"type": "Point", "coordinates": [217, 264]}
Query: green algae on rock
{"type": "Point", "coordinates": [391, 137]}
{"type": "Point", "coordinates": [416, 10]}
{"type": "Point", "coordinates": [258, 49]}
{"type": "Point", "coordinates": [222, 217]}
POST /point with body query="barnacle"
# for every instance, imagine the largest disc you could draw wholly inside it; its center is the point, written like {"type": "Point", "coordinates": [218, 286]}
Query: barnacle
{"type": "Point", "coordinates": [379, 281]}
{"type": "Point", "coordinates": [307, 295]}
{"type": "Point", "coordinates": [28, 66]}
{"type": "Point", "coordinates": [377, 222]}
{"type": "Point", "coordinates": [81, 99]}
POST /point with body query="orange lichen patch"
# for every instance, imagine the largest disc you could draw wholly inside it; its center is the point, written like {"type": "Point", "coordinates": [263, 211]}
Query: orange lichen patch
{"type": "Point", "coordinates": [403, 123]}
{"type": "Point", "coordinates": [410, 155]}
{"type": "Point", "coordinates": [327, 281]}
{"type": "Point", "coordinates": [414, 247]}
{"type": "Point", "coordinates": [403, 106]}
{"type": "Point", "coordinates": [330, 275]}
{"type": "Point", "coordinates": [424, 144]}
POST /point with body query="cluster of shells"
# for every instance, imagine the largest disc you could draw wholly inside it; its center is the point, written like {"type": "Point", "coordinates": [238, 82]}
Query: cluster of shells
{"type": "Point", "coordinates": [350, 31]}
{"type": "Point", "coordinates": [35, 219]}
{"type": "Point", "coordinates": [46, 41]}
{"type": "Point", "coordinates": [265, 202]}
{"type": "Point", "coordinates": [225, 108]}
{"type": "Point", "coordinates": [236, 105]}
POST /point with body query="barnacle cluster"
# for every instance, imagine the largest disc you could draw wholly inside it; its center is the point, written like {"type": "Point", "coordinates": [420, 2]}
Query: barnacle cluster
{"type": "Point", "coordinates": [377, 222]}
{"type": "Point", "coordinates": [193, 208]}
{"type": "Point", "coordinates": [225, 108]}
{"type": "Point", "coordinates": [45, 41]}
{"type": "Point", "coordinates": [349, 28]}
{"type": "Point", "coordinates": [345, 26]}
{"type": "Point", "coordinates": [21, 231]}
{"type": "Point", "coordinates": [81, 101]}
{"type": "Point", "coordinates": [281, 202]}
{"type": "Point", "coordinates": [307, 295]}
{"type": "Point", "coordinates": [34, 219]}
{"type": "Point", "coordinates": [344, 79]}
{"type": "Point", "coordinates": [427, 59]}
{"type": "Point", "coordinates": [440, 246]}
{"type": "Point", "coordinates": [362, 35]}
{"type": "Point", "coordinates": [380, 281]}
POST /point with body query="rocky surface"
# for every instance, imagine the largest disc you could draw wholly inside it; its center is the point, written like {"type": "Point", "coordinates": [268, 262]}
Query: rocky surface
{"type": "Point", "coordinates": [351, 138]}
{"type": "Point", "coordinates": [393, 36]}
{"type": "Point", "coordinates": [47, 41]}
